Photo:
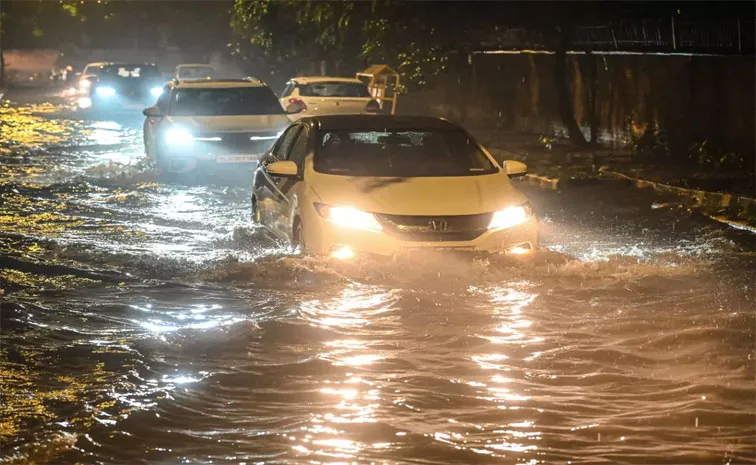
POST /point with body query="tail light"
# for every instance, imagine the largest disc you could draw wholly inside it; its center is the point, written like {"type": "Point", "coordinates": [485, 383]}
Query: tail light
{"type": "Point", "coordinates": [373, 106]}
{"type": "Point", "coordinates": [298, 102]}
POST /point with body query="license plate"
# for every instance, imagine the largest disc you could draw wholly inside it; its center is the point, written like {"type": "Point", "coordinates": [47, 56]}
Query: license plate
{"type": "Point", "coordinates": [432, 250]}
{"type": "Point", "coordinates": [236, 158]}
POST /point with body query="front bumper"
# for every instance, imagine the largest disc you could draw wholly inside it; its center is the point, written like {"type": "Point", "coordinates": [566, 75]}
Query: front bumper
{"type": "Point", "coordinates": [118, 103]}
{"type": "Point", "coordinates": [326, 238]}
{"type": "Point", "coordinates": [220, 148]}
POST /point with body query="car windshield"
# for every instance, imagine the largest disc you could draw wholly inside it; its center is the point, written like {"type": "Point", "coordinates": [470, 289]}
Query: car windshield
{"type": "Point", "coordinates": [196, 72]}
{"type": "Point", "coordinates": [226, 101]}
{"type": "Point", "coordinates": [405, 153]}
{"type": "Point", "coordinates": [334, 89]}
{"type": "Point", "coordinates": [129, 71]}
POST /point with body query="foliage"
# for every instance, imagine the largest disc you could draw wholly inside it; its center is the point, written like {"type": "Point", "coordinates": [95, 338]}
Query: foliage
{"type": "Point", "coordinates": [419, 41]}
{"type": "Point", "coordinates": [651, 145]}
{"type": "Point", "coordinates": [708, 158]}
{"type": "Point", "coordinates": [284, 34]}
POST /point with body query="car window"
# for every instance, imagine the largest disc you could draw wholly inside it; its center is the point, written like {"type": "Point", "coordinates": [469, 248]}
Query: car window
{"type": "Point", "coordinates": [288, 89]}
{"type": "Point", "coordinates": [299, 148]}
{"type": "Point", "coordinates": [94, 70]}
{"type": "Point", "coordinates": [334, 89]}
{"type": "Point", "coordinates": [196, 72]}
{"type": "Point", "coordinates": [130, 71]}
{"type": "Point", "coordinates": [281, 150]}
{"type": "Point", "coordinates": [230, 101]}
{"type": "Point", "coordinates": [404, 153]}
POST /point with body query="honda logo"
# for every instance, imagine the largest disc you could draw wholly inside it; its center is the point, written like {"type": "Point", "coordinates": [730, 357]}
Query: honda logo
{"type": "Point", "coordinates": [438, 225]}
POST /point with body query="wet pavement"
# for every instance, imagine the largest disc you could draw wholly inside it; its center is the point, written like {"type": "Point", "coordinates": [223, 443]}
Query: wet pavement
{"type": "Point", "coordinates": [145, 321]}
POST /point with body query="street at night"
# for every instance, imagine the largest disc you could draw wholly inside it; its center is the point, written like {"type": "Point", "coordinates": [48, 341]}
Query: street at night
{"type": "Point", "coordinates": [530, 239]}
{"type": "Point", "coordinates": [148, 322]}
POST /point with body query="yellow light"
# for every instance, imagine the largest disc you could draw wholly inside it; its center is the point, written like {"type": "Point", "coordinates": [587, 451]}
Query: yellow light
{"type": "Point", "coordinates": [343, 253]}
{"type": "Point", "coordinates": [348, 217]}
{"type": "Point", "coordinates": [510, 216]}
{"type": "Point", "coordinates": [519, 250]}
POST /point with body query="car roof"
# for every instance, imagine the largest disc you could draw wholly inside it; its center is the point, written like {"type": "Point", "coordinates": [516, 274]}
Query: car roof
{"type": "Point", "coordinates": [120, 63]}
{"type": "Point", "coordinates": [194, 65]}
{"type": "Point", "coordinates": [216, 83]}
{"type": "Point", "coordinates": [314, 79]}
{"type": "Point", "coordinates": [379, 122]}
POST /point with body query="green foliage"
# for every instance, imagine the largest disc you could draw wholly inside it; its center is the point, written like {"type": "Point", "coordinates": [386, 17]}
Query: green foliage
{"type": "Point", "coordinates": [708, 158]}
{"type": "Point", "coordinates": [419, 39]}
{"type": "Point", "coordinates": [286, 34]}
{"type": "Point", "coordinates": [651, 146]}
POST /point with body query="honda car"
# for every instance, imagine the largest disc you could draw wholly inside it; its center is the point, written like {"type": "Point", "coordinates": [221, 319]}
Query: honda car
{"type": "Point", "coordinates": [349, 185]}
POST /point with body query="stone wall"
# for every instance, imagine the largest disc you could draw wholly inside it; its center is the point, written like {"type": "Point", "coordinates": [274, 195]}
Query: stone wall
{"type": "Point", "coordinates": [691, 98]}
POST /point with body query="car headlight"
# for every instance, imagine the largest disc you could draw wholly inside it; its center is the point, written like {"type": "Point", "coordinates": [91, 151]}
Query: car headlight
{"type": "Point", "coordinates": [511, 216]}
{"type": "Point", "coordinates": [85, 102]}
{"type": "Point", "coordinates": [105, 91]}
{"type": "Point", "coordinates": [156, 91]}
{"type": "Point", "coordinates": [348, 217]}
{"type": "Point", "coordinates": [178, 136]}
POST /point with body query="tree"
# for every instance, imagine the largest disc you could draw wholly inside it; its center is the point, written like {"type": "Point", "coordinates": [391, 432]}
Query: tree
{"type": "Point", "coordinates": [284, 34]}
{"type": "Point", "coordinates": [425, 41]}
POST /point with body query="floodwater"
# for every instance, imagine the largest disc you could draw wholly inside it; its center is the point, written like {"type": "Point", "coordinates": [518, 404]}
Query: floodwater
{"type": "Point", "coordinates": [145, 321]}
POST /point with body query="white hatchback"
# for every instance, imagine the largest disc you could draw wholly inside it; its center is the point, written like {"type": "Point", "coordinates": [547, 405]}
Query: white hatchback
{"type": "Point", "coordinates": [345, 185]}
{"type": "Point", "coordinates": [323, 95]}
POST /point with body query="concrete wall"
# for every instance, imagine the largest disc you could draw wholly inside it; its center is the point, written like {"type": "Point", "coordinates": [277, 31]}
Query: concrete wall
{"type": "Point", "coordinates": [692, 98]}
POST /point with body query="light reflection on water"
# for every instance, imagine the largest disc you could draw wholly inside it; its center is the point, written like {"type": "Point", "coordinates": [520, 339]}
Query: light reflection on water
{"type": "Point", "coordinates": [154, 338]}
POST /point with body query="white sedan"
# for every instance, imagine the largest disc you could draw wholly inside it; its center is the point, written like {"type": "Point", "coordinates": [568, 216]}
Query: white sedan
{"type": "Point", "coordinates": [347, 185]}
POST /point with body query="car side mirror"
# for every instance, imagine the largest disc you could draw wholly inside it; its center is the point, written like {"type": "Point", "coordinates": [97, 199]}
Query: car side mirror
{"type": "Point", "coordinates": [515, 168]}
{"type": "Point", "coordinates": [286, 169]}
{"type": "Point", "coordinates": [151, 111]}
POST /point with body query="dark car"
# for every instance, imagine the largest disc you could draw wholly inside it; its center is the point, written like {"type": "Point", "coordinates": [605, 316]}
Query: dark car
{"type": "Point", "coordinates": [119, 86]}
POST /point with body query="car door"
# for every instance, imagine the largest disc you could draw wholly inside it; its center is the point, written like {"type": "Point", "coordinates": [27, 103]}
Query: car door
{"type": "Point", "coordinates": [288, 186]}
{"type": "Point", "coordinates": [268, 188]}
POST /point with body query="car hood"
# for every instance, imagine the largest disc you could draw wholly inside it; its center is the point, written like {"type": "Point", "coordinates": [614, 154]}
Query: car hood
{"type": "Point", "coordinates": [246, 123]}
{"type": "Point", "coordinates": [463, 195]}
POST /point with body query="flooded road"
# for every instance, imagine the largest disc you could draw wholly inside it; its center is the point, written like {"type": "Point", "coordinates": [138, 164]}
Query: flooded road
{"type": "Point", "coordinates": [145, 321]}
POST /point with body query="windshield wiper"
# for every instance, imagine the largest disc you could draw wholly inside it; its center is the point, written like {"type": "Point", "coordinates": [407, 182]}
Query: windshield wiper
{"type": "Point", "coordinates": [377, 184]}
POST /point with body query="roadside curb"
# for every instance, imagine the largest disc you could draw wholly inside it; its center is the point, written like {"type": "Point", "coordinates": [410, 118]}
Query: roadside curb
{"type": "Point", "coordinates": [710, 203]}
{"type": "Point", "coordinates": [569, 183]}
{"type": "Point", "coordinates": [542, 181]}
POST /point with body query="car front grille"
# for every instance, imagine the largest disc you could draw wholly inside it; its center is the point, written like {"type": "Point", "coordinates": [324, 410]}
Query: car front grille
{"type": "Point", "coordinates": [435, 228]}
